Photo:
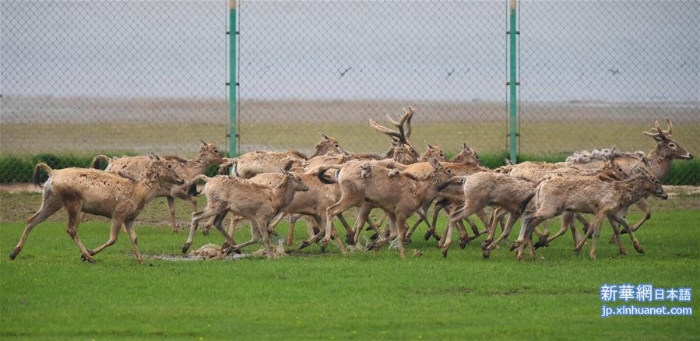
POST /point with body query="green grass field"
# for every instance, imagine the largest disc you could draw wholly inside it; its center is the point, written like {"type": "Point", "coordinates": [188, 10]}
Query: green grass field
{"type": "Point", "coordinates": [48, 293]}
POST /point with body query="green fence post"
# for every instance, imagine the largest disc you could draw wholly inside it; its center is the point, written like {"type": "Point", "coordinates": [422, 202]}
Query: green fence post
{"type": "Point", "coordinates": [513, 83]}
{"type": "Point", "coordinates": [233, 83]}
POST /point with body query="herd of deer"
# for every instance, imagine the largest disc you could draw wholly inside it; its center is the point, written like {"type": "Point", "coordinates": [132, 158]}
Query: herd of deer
{"type": "Point", "coordinates": [264, 185]}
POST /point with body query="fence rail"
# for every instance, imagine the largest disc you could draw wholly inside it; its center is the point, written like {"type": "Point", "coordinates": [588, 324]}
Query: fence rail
{"type": "Point", "coordinates": [80, 78]}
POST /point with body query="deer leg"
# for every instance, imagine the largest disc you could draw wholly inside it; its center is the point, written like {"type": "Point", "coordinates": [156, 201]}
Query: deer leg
{"type": "Point", "coordinates": [171, 209]}
{"type": "Point", "coordinates": [481, 214]}
{"type": "Point", "coordinates": [290, 231]}
{"type": "Point", "coordinates": [400, 222]}
{"type": "Point", "coordinates": [313, 236]}
{"type": "Point", "coordinates": [129, 225]}
{"type": "Point", "coordinates": [496, 218]}
{"type": "Point", "coordinates": [642, 204]}
{"type": "Point", "coordinates": [529, 222]}
{"type": "Point", "coordinates": [255, 237]}
{"type": "Point", "coordinates": [635, 241]}
{"type": "Point", "coordinates": [362, 217]}
{"type": "Point", "coordinates": [597, 220]}
{"type": "Point", "coordinates": [346, 225]}
{"type": "Point", "coordinates": [73, 208]}
{"type": "Point", "coordinates": [342, 205]}
{"type": "Point", "coordinates": [412, 230]}
{"type": "Point", "coordinates": [506, 231]}
{"type": "Point", "coordinates": [208, 211]}
{"type": "Point", "coordinates": [457, 215]}
{"type": "Point", "coordinates": [113, 234]}
{"type": "Point", "coordinates": [264, 231]}
{"type": "Point", "coordinates": [616, 235]}
{"type": "Point", "coordinates": [49, 206]}
{"type": "Point", "coordinates": [566, 220]}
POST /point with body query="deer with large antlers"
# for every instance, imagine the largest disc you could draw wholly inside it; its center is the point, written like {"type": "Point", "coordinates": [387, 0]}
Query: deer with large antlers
{"type": "Point", "coordinates": [401, 136]}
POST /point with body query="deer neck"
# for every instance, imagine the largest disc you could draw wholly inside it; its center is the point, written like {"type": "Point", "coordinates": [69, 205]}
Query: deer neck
{"type": "Point", "coordinates": [660, 164]}
{"type": "Point", "coordinates": [146, 190]}
{"type": "Point", "coordinates": [631, 190]}
{"type": "Point", "coordinates": [198, 165]}
{"type": "Point", "coordinates": [282, 194]}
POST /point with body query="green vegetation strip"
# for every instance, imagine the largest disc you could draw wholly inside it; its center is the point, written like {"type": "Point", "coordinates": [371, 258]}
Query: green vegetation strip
{"type": "Point", "coordinates": [14, 168]}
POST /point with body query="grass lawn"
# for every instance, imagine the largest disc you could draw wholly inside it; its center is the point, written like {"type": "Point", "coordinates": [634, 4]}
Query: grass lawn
{"type": "Point", "coordinates": [48, 293]}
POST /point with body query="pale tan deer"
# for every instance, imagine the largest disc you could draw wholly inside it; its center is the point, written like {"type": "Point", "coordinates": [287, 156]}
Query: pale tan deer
{"type": "Point", "coordinates": [96, 192]}
{"type": "Point", "coordinates": [256, 202]}
{"type": "Point", "coordinates": [250, 164]}
{"type": "Point", "coordinates": [135, 167]}
{"type": "Point", "coordinates": [586, 194]}
{"type": "Point", "coordinates": [397, 193]}
{"type": "Point", "coordinates": [660, 159]}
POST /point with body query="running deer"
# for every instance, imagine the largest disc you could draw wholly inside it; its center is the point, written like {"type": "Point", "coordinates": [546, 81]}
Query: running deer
{"type": "Point", "coordinates": [96, 192]}
{"type": "Point", "coordinates": [660, 159]}
{"type": "Point", "coordinates": [136, 167]}
{"type": "Point", "coordinates": [585, 194]}
{"type": "Point", "coordinates": [249, 164]}
{"type": "Point", "coordinates": [397, 193]}
{"type": "Point", "coordinates": [256, 202]}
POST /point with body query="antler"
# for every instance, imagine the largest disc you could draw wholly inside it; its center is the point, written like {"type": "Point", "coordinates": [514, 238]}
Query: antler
{"type": "Point", "coordinates": [657, 132]}
{"type": "Point", "coordinates": [402, 134]}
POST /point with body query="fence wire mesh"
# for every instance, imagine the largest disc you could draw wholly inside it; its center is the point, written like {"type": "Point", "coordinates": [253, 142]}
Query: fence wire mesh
{"type": "Point", "coordinates": [82, 78]}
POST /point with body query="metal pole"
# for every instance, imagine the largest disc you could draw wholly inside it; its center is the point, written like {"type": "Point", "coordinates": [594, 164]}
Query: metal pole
{"type": "Point", "coordinates": [233, 83]}
{"type": "Point", "coordinates": [513, 83]}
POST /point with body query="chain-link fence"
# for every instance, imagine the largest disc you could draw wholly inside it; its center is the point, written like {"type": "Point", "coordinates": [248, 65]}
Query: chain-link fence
{"type": "Point", "coordinates": [128, 77]}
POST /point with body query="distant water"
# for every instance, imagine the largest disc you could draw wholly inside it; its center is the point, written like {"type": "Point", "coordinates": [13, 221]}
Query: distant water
{"type": "Point", "coordinates": [569, 51]}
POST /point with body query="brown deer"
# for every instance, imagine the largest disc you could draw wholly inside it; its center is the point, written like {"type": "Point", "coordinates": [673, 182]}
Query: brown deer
{"type": "Point", "coordinates": [96, 192]}
{"type": "Point", "coordinates": [250, 164]}
{"type": "Point", "coordinates": [586, 194]}
{"type": "Point", "coordinates": [397, 193]}
{"type": "Point", "coordinates": [135, 167]}
{"type": "Point", "coordinates": [256, 202]}
{"type": "Point", "coordinates": [660, 158]}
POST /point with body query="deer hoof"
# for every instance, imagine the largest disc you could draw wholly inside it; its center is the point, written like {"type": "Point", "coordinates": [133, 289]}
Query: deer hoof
{"type": "Point", "coordinates": [463, 242]}
{"type": "Point", "coordinates": [486, 253]}
{"type": "Point", "coordinates": [638, 248]}
{"type": "Point", "coordinates": [86, 258]}
{"type": "Point", "coordinates": [427, 235]}
{"type": "Point", "coordinates": [350, 240]}
{"type": "Point", "coordinates": [185, 248]}
{"type": "Point", "coordinates": [444, 252]}
{"type": "Point", "coordinates": [304, 244]}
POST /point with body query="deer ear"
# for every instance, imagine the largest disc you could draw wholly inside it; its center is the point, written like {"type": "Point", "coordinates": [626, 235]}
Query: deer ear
{"type": "Point", "coordinates": [153, 156]}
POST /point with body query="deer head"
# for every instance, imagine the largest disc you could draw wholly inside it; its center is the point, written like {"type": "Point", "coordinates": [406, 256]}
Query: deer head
{"type": "Point", "coordinates": [666, 146]}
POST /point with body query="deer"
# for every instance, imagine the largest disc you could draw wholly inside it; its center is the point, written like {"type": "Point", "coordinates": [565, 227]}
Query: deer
{"type": "Point", "coordinates": [467, 162]}
{"type": "Point", "coordinates": [249, 164]}
{"type": "Point", "coordinates": [311, 203]}
{"type": "Point", "coordinates": [136, 167]}
{"type": "Point", "coordinates": [484, 189]}
{"type": "Point", "coordinates": [402, 151]}
{"type": "Point", "coordinates": [397, 193]}
{"type": "Point", "coordinates": [585, 194]}
{"type": "Point", "coordinates": [96, 192]}
{"type": "Point", "coordinates": [660, 158]}
{"type": "Point", "coordinates": [256, 202]}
